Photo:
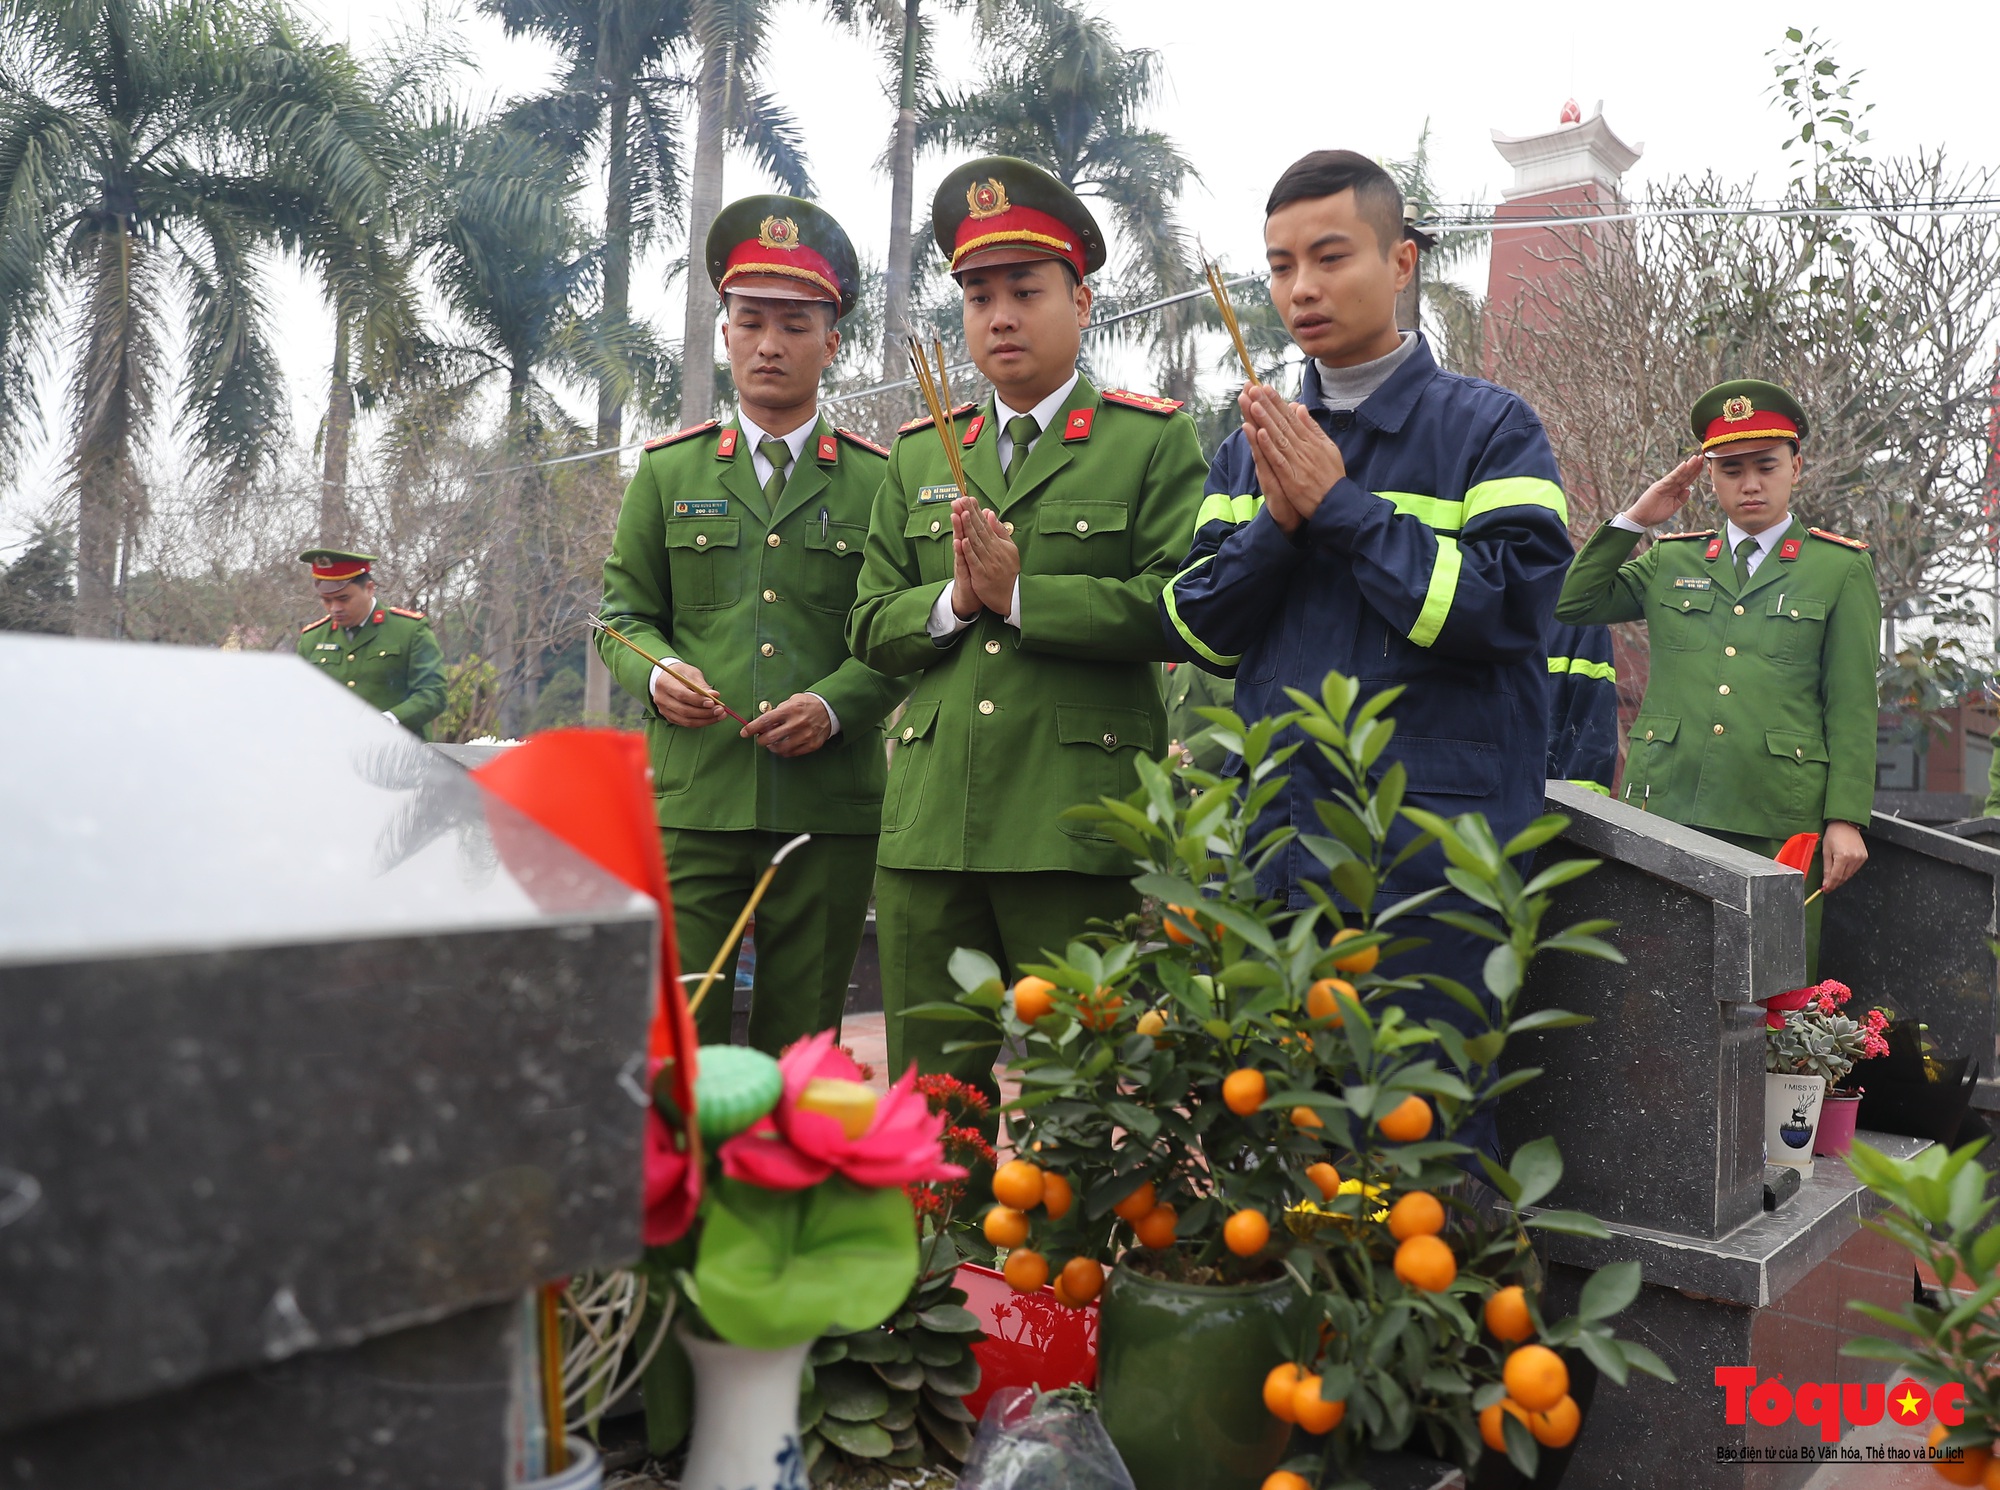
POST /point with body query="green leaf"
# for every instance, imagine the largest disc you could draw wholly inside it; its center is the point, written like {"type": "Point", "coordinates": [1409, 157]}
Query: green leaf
{"type": "Point", "coordinates": [1537, 833]}
{"type": "Point", "coordinates": [949, 1319]}
{"type": "Point", "coordinates": [1610, 1289]}
{"type": "Point", "coordinates": [863, 1440]}
{"type": "Point", "coordinates": [1537, 1166]}
{"type": "Point", "coordinates": [852, 1392]}
{"type": "Point", "coordinates": [778, 1268]}
{"type": "Point", "coordinates": [1547, 1019]}
{"type": "Point", "coordinates": [1642, 1358]}
{"type": "Point", "coordinates": [1604, 1354]}
{"type": "Point", "coordinates": [1573, 1223]}
{"type": "Point", "coordinates": [970, 968]}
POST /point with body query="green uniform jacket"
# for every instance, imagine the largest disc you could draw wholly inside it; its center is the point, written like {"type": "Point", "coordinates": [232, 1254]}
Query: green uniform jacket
{"type": "Point", "coordinates": [1189, 688]}
{"type": "Point", "coordinates": [702, 570]}
{"type": "Point", "coordinates": [1009, 727]}
{"type": "Point", "coordinates": [1759, 715]}
{"type": "Point", "coordinates": [392, 661]}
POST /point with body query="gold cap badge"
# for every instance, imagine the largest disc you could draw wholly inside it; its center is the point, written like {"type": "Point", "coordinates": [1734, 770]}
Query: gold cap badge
{"type": "Point", "coordinates": [1738, 409]}
{"type": "Point", "coordinates": [986, 198]}
{"type": "Point", "coordinates": [778, 232]}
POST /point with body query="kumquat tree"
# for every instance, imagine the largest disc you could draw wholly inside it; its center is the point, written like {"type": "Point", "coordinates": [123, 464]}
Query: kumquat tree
{"type": "Point", "coordinates": [1227, 1091]}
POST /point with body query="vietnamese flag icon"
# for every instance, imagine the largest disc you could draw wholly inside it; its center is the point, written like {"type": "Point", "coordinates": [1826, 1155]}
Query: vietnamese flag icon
{"type": "Point", "coordinates": [1798, 852]}
{"type": "Point", "coordinates": [1909, 1402]}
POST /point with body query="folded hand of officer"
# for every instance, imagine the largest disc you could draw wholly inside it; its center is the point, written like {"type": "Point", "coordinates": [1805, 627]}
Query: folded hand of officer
{"type": "Point", "coordinates": [1297, 465]}
{"type": "Point", "coordinates": [1669, 494]}
{"type": "Point", "coordinates": [680, 704]}
{"type": "Point", "coordinates": [985, 562]}
{"type": "Point", "coordinates": [798, 726]}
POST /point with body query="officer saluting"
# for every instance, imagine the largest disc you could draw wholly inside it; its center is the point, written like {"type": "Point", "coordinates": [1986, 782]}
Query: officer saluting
{"type": "Point", "coordinates": [1029, 605]}
{"type": "Point", "coordinates": [735, 558]}
{"type": "Point", "coordinates": [387, 655]}
{"type": "Point", "coordinates": [1759, 715]}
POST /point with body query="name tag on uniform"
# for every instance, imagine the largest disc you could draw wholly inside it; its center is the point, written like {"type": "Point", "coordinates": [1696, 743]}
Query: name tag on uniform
{"type": "Point", "coordinates": [926, 495]}
{"type": "Point", "coordinates": [327, 647]}
{"type": "Point", "coordinates": [719, 508]}
{"type": "Point", "coordinates": [1685, 582]}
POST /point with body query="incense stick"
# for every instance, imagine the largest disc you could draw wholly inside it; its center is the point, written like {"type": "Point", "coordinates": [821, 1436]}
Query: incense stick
{"type": "Point", "coordinates": [931, 383]}
{"type": "Point", "coordinates": [673, 672]}
{"type": "Point", "coordinates": [721, 952]}
{"type": "Point", "coordinates": [1228, 312]}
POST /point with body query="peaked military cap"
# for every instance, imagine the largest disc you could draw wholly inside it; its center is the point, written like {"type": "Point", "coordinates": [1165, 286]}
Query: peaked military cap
{"type": "Point", "coordinates": [1746, 409]}
{"type": "Point", "coordinates": [782, 248]}
{"type": "Point", "coordinates": [1000, 210]}
{"type": "Point", "coordinates": [335, 567]}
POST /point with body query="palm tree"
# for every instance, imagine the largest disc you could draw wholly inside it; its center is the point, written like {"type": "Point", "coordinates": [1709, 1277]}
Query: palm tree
{"type": "Point", "coordinates": [1456, 312]}
{"type": "Point", "coordinates": [150, 152]}
{"type": "Point", "coordinates": [727, 38]}
{"type": "Point", "coordinates": [1063, 93]}
{"type": "Point", "coordinates": [498, 232]}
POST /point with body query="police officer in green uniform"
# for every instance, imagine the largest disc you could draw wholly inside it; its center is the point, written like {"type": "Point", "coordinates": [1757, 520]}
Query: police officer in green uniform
{"type": "Point", "coordinates": [1030, 606]}
{"type": "Point", "coordinates": [386, 654]}
{"type": "Point", "coordinates": [1759, 715]}
{"type": "Point", "coordinates": [735, 560]}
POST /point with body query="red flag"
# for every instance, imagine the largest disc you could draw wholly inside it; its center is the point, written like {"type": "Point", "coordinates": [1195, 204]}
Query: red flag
{"type": "Point", "coordinates": [591, 788]}
{"type": "Point", "coordinates": [1798, 852]}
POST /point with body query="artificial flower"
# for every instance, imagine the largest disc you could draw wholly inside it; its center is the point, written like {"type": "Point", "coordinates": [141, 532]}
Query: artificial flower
{"type": "Point", "coordinates": [827, 1122]}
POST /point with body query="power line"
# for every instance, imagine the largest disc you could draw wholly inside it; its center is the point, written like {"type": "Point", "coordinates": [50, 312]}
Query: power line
{"type": "Point", "coordinates": [1474, 221]}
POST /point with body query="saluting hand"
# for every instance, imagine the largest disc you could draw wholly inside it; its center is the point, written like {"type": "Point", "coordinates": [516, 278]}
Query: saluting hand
{"type": "Point", "coordinates": [1668, 495]}
{"type": "Point", "coordinates": [1843, 851]}
{"type": "Point", "coordinates": [680, 704]}
{"type": "Point", "coordinates": [1297, 465]}
{"type": "Point", "coordinates": [798, 726]}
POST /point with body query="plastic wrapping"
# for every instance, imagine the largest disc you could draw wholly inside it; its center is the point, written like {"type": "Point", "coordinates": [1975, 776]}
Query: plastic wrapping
{"type": "Point", "coordinates": [1042, 1441]}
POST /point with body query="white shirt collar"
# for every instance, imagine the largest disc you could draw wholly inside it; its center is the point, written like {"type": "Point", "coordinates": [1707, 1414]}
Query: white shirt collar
{"type": "Point", "coordinates": [1767, 540]}
{"type": "Point", "coordinates": [794, 442]}
{"type": "Point", "coordinates": [1044, 412]}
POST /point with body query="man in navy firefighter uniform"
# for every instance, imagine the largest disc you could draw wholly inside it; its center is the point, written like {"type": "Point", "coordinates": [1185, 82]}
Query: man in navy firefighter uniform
{"type": "Point", "coordinates": [1400, 524]}
{"type": "Point", "coordinates": [1583, 707]}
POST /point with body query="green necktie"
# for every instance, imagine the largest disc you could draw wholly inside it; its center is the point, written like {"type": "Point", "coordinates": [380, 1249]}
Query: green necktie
{"type": "Point", "coordinates": [1743, 551]}
{"type": "Point", "coordinates": [1023, 430]}
{"type": "Point", "coordinates": [779, 454]}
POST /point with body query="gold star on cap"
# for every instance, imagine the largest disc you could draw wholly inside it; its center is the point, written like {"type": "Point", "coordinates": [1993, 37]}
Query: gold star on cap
{"type": "Point", "coordinates": [986, 198]}
{"type": "Point", "coordinates": [1738, 409]}
{"type": "Point", "coordinates": [777, 232]}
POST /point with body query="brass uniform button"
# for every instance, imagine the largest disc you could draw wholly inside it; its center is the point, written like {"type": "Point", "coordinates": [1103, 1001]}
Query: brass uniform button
{"type": "Point", "coordinates": [770, 596]}
{"type": "Point", "coordinates": [986, 706]}
{"type": "Point", "coordinates": [763, 706]}
{"type": "Point", "coordinates": [1008, 529]}
{"type": "Point", "coordinates": [1084, 527]}
{"type": "Point", "coordinates": [772, 541]}
{"type": "Point", "coordinates": [767, 649]}
{"type": "Point", "coordinates": [350, 682]}
{"type": "Point", "coordinates": [1739, 610]}
{"type": "Point", "coordinates": [1723, 689]}
{"type": "Point", "coordinates": [1800, 753]}
{"type": "Point", "coordinates": [993, 648]}
{"type": "Point", "coordinates": [1686, 603]}
{"type": "Point", "coordinates": [701, 540]}
{"type": "Point", "coordinates": [1110, 740]}
{"type": "Point", "coordinates": [1728, 651]}
{"type": "Point", "coordinates": [1718, 729]}
{"type": "Point", "coordinates": [935, 526]}
{"type": "Point", "coordinates": [1649, 734]}
{"type": "Point", "coordinates": [840, 545]}
{"type": "Point", "coordinates": [1795, 615]}
{"type": "Point", "coordinates": [909, 732]}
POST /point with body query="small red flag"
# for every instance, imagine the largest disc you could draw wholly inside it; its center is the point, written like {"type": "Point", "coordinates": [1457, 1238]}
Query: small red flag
{"type": "Point", "coordinates": [1798, 851]}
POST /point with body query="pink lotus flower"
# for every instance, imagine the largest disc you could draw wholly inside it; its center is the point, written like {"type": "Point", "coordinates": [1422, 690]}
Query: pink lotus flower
{"type": "Point", "coordinates": [822, 1126]}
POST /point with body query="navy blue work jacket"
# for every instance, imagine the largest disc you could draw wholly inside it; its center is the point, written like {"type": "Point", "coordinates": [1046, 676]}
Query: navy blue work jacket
{"type": "Point", "coordinates": [1583, 706]}
{"type": "Point", "coordinates": [1434, 564]}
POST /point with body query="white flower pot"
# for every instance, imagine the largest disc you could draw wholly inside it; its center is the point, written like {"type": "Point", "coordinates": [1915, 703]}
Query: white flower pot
{"type": "Point", "coordinates": [1791, 1118]}
{"type": "Point", "coordinates": [746, 1418]}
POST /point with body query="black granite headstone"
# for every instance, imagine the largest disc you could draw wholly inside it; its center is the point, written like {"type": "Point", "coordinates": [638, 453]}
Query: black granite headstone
{"type": "Point", "coordinates": [305, 1042]}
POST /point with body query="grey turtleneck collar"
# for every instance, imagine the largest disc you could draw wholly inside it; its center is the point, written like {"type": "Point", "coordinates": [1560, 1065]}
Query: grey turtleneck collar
{"type": "Point", "coordinates": [1349, 387]}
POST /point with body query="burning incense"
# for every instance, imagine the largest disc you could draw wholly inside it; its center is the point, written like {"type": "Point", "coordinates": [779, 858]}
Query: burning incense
{"type": "Point", "coordinates": [673, 672]}
{"type": "Point", "coordinates": [721, 952]}
{"type": "Point", "coordinates": [1228, 312]}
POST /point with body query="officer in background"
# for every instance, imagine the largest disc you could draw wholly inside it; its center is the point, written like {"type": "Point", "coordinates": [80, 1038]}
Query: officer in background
{"type": "Point", "coordinates": [1028, 604]}
{"type": "Point", "coordinates": [1759, 715]}
{"type": "Point", "coordinates": [387, 655]}
{"type": "Point", "coordinates": [1583, 707]}
{"type": "Point", "coordinates": [1400, 524]}
{"type": "Point", "coordinates": [735, 560]}
{"type": "Point", "coordinates": [1188, 689]}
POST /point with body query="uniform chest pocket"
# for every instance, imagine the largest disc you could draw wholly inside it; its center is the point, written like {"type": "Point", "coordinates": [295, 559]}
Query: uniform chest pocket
{"type": "Point", "coordinates": [1680, 620]}
{"type": "Point", "coordinates": [702, 558]}
{"type": "Point", "coordinates": [928, 528]}
{"type": "Point", "coordinates": [1081, 536]}
{"type": "Point", "coordinates": [833, 564]}
{"type": "Point", "coordinates": [1794, 627]}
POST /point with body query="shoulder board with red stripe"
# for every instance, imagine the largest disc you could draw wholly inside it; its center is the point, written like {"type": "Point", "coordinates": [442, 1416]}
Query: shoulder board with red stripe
{"type": "Point", "coordinates": [862, 440]}
{"type": "Point", "coordinates": [1671, 537]}
{"type": "Point", "coordinates": [682, 434]}
{"type": "Point", "coordinates": [314, 625]}
{"type": "Point", "coordinates": [1837, 538]}
{"type": "Point", "coordinates": [1144, 401]}
{"type": "Point", "coordinates": [408, 615]}
{"type": "Point", "coordinates": [926, 421]}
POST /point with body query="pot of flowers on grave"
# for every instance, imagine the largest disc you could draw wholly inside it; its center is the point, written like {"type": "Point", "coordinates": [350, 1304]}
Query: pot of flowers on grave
{"type": "Point", "coordinates": [804, 1229]}
{"type": "Point", "coordinates": [1809, 1048]}
{"type": "Point", "coordinates": [1223, 1096]}
{"type": "Point", "coordinates": [1839, 1114]}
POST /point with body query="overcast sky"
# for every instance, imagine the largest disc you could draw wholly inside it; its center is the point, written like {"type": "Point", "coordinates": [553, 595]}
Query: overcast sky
{"type": "Point", "coordinates": [1252, 85]}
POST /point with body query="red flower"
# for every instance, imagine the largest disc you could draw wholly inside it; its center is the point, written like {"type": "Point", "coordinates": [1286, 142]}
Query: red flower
{"type": "Point", "coordinates": [799, 1144]}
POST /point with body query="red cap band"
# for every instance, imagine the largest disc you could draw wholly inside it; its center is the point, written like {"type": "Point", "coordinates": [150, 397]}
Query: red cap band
{"type": "Point", "coordinates": [815, 275]}
{"type": "Point", "coordinates": [339, 569]}
{"type": "Point", "coordinates": [1760, 424]}
{"type": "Point", "coordinates": [1017, 226]}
